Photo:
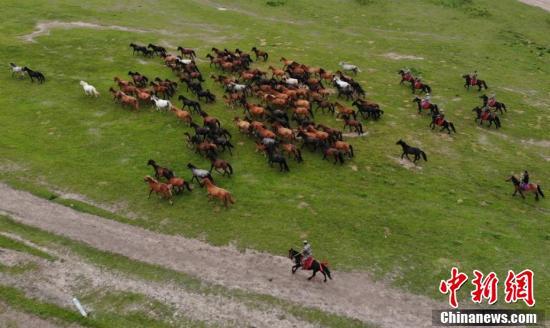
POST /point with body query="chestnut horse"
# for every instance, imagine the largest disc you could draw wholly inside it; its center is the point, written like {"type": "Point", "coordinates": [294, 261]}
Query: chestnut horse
{"type": "Point", "coordinates": [531, 187]}
{"type": "Point", "coordinates": [217, 192]}
{"type": "Point", "coordinates": [162, 189]}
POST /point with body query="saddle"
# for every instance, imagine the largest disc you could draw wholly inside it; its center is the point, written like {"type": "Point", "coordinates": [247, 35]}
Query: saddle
{"type": "Point", "coordinates": [473, 82]}
{"type": "Point", "coordinates": [425, 104]}
{"type": "Point", "coordinates": [439, 121]}
{"type": "Point", "coordinates": [307, 262]}
{"type": "Point", "coordinates": [492, 102]}
{"type": "Point", "coordinates": [485, 115]}
{"type": "Point", "coordinates": [418, 85]}
{"type": "Point", "coordinates": [526, 186]}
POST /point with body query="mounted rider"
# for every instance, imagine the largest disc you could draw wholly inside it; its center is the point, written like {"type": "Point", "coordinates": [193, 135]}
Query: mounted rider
{"type": "Point", "coordinates": [417, 82]}
{"type": "Point", "coordinates": [307, 256]}
{"type": "Point", "coordinates": [524, 180]}
{"type": "Point", "coordinates": [426, 101]}
{"type": "Point", "coordinates": [492, 100]}
{"type": "Point", "coordinates": [473, 78]}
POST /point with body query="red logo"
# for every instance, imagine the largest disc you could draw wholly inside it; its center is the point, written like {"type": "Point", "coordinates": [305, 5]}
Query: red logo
{"type": "Point", "coordinates": [452, 285]}
{"type": "Point", "coordinates": [520, 287]}
{"type": "Point", "coordinates": [485, 288]}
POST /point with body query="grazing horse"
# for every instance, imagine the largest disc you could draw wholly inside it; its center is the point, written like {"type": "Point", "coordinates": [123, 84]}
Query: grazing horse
{"type": "Point", "coordinates": [217, 192]}
{"type": "Point", "coordinates": [89, 89]}
{"type": "Point", "coordinates": [199, 174]}
{"type": "Point", "coordinates": [161, 171]}
{"type": "Point", "coordinates": [531, 187]}
{"type": "Point", "coordinates": [419, 85]}
{"type": "Point", "coordinates": [494, 104]}
{"type": "Point", "coordinates": [439, 120]}
{"type": "Point", "coordinates": [474, 82]}
{"type": "Point", "coordinates": [316, 266]}
{"type": "Point", "coordinates": [486, 115]}
{"type": "Point", "coordinates": [425, 104]}
{"type": "Point", "coordinates": [417, 152]}
{"type": "Point", "coordinates": [260, 53]}
{"type": "Point", "coordinates": [162, 189]}
{"type": "Point", "coordinates": [16, 70]}
{"type": "Point", "coordinates": [34, 75]}
{"type": "Point", "coordinates": [406, 76]}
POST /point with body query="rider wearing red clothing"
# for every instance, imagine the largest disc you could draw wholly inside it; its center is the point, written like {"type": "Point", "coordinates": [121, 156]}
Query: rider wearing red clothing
{"type": "Point", "coordinates": [307, 254]}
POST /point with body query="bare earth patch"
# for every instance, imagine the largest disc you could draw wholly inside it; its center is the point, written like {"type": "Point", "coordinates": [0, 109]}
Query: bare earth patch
{"type": "Point", "coordinates": [11, 318]}
{"type": "Point", "coordinates": [544, 4]}
{"type": "Point", "coordinates": [395, 56]}
{"type": "Point", "coordinates": [352, 294]}
{"type": "Point", "coordinates": [406, 163]}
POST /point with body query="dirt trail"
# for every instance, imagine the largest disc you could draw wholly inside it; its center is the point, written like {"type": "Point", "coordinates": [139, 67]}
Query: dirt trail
{"type": "Point", "coordinates": [12, 318]}
{"type": "Point", "coordinates": [351, 294]}
{"type": "Point", "coordinates": [59, 281]}
{"type": "Point", "coordinates": [544, 4]}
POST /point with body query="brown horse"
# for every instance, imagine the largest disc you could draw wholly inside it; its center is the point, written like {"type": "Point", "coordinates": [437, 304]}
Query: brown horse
{"type": "Point", "coordinates": [124, 99]}
{"type": "Point", "coordinates": [221, 166]}
{"type": "Point", "coordinates": [531, 187]}
{"type": "Point", "coordinates": [183, 115]}
{"type": "Point", "coordinates": [179, 185]}
{"type": "Point", "coordinates": [162, 189]}
{"type": "Point", "coordinates": [217, 192]}
{"type": "Point", "coordinates": [260, 53]}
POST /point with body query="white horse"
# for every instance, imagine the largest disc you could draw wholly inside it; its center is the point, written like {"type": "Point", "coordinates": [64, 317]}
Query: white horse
{"type": "Point", "coordinates": [349, 67]}
{"type": "Point", "coordinates": [184, 61]}
{"type": "Point", "coordinates": [16, 70]}
{"type": "Point", "coordinates": [237, 87]}
{"type": "Point", "coordinates": [89, 89]}
{"type": "Point", "coordinates": [161, 104]}
{"type": "Point", "coordinates": [341, 84]}
{"type": "Point", "coordinates": [291, 81]}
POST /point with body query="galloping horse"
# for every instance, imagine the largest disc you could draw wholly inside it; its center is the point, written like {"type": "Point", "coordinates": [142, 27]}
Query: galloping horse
{"type": "Point", "coordinates": [417, 152]}
{"type": "Point", "coordinates": [439, 120]}
{"type": "Point", "coordinates": [217, 192]}
{"type": "Point", "coordinates": [162, 189]}
{"type": "Point", "coordinates": [424, 104]}
{"type": "Point", "coordinates": [494, 104]}
{"type": "Point", "coordinates": [474, 82]}
{"type": "Point", "coordinates": [34, 74]}
{"type": "Point", "coordinates": [531, 187]}
{"type": "Point", "coordinates": [419, 85]}
{"type": "Point", "coordinates": [316, 266]}
{"type": "Point", "coordinates": [405, 76]}
{"type": "Point", "coordinates": [486, 116]}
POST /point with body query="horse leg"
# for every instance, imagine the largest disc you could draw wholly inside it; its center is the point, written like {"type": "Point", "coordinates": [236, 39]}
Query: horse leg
{"type": "Point", "coordinates": [407, 155]}
{"type": "Point", "coordinates": [325, 275]}
{"type": "Point", "coordinates": [150, 192]}
{"type": "Point", "coordinates": [313, 275]}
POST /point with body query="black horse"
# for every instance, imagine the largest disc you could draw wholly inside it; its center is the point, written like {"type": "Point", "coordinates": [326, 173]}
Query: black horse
{"type": "Point", "coordinates": [35, 74]}
{"type": "Point", "coordinates": [273, 157]}
{"type": "Point", "coordinates": [417, 152]}
{"type": "Point", "coordinates": [439, 120]}
{"type": "Point", "coordinates": [479, 83]}
{"type": "Point", "coordinates": [368, 110]}
{"type": "Point", "coordinates": [432, 107]}
{"type": "Point", "coordinates": [207, 95]}
{"type": "Point", "coordinates": [416, 84]}
{"type": "Point", "coordinates": [316, 266]}
{"type": "Point", "coordinates": [191, 104]}
{"type": "Point", "coordinates": [157, 50]}
{"type": "Point", "coordinates": [498, 105]}
{"type": "Point", "coordinates": [486, 116]}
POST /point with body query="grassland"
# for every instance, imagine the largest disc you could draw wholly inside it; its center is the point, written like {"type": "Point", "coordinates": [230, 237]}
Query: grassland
{"type": "Point", "coordinates": [372, 214]}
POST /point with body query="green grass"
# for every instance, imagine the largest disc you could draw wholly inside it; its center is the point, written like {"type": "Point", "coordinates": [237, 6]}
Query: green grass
{"type": "Point", "coordinates": [435, 217]}
{"type": "Point", "coordinates": [104, 317]}
{"type": "Point", "coordinates": [9, 243]}
{"type": "Point", "coordinates": [149, 272]}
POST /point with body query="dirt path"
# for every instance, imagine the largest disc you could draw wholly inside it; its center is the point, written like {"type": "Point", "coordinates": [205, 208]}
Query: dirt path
{"type": "Point", "coordinates": [59, 281]}
{"type": "Point", "coordinates": [354, 295]}
{"type": "Point", "coordinates": [544, 4]}
{"type": "Point", "coordinates": [12, 318]}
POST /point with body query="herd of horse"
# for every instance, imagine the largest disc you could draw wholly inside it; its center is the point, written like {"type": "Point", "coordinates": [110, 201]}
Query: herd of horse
{"type": "Point", "coordinates": [278, 105]}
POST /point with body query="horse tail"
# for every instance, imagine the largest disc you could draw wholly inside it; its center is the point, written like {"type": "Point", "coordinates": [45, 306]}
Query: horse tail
{"type": "Point", "coordinates": [503, 106]}
{"type": "Point", "coordinates": [452, 127]}
{"type": "Point", "coordinates": [485, 85]}
{"type": "Point", "coordinates": [540, 191]}
{"type": "Point", "coordinates": [325, 269]}
{"type": "Point", "coordinates": [230, 198]}
{"type": "Point", "coordinates": [497, 121]}
{"type": "Point", "coordinates": [428, 88]}
{"type": "Point", "coordinates": [351, 150]}
{"type": "Point", "coordinates": [424, 155]}
{"type": "Point", "coordinates": [230, 168]}
{"type": "Point", "coordinates": [266, 56]}
{"type": "Point", "coordinates": [341, 157]}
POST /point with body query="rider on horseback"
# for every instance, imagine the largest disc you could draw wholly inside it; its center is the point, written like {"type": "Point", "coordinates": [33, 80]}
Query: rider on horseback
{"type": "Point", "coordinates": [492, 100]}
{"type": "Point", "coordinates": [524, 180]}
{"type": "Point", "coordinates": [307, 254]}
{"type": "Point", "coordinates": [473, 78]}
